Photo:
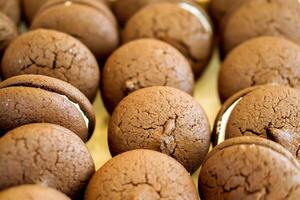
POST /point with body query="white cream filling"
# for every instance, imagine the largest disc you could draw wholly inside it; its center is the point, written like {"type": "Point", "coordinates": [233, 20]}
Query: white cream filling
{"type": "Point", "coordinates": [200, 15]}
{"type": "Point", "coordinates": [222, 123]}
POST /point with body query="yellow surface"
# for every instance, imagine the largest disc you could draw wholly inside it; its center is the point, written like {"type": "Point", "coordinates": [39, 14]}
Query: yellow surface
{"type": "Point", "coordinates": [205, 93]}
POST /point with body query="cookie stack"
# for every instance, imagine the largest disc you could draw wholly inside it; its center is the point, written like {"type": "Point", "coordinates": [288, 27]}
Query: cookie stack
{"type": "Point", "coordinates": [150, 54]}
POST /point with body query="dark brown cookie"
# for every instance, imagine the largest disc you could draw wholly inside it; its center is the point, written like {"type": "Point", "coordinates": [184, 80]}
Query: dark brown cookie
{"type": "Point", "coordinates": [12, 9]}
{"type": "Point", "coordinates": [163, 119]}
{"type": "Point", "coordinates": [183, 25]}
{"type": "Point", "coordinates": [8, 31]}
{"type": "Point", "coordinates": [45, 154]}
{"type": "Point", "coordinates": [141, 174]}
{"type": "Point", "coordinates": [32, 192]}
{"type": "Point", "coordinates": [144, 63]}
{"type": "Point", "coordinates": [54, 54]}
{"type": "Point", "coordinates": [260, 61]}
{"type": "Point", "coordinates": [88, 20]}
{"type": "Point", "coordinates": [268, 111]}
{"type": "Point", "coordinates": [249, 168]}
{"type": "Point", "coordinates": [34, 98]}
{"type": "Point", "coordinates": [271, 18]}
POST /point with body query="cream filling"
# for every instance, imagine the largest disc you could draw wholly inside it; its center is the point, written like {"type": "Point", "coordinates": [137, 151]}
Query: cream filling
{"type": "Point", "coordinates": [197, 13]}
{"type": "Point", "coordinates": [222, 123]}
{"type": "Point", "coordinates": [76, 105]}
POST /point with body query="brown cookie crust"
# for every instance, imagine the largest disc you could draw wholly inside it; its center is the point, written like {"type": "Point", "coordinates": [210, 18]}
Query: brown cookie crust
{"type": "Point", "coordinates": [249, 168]}
{"type": "Point", "coordinates": [163, 119]}
{"type": "Point", "coordinates": [12, 9]}
{"type": "Point", "coordinates": [175, 24]}
{"type": "Point", "coordinates": [54, 54]}
{"type": "Point", "coordinates": [262, 60]}
{"type": "Point", "coordinates": [144, 63]}
{"type": "Point", "coordinates": [45, 154]}
{"type": "Point", "coordinates": [8, 31]}
{"type": "Point", "coordinates": [141, 174]}
{"type": "Point", "coordinates": [32, 192]}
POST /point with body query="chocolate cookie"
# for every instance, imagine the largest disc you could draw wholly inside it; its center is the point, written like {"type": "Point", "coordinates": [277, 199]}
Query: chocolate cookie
{"type": "Point", "coordinates": [260, 61]}
{"type": "Point", "coordinates": [32, 192]}
{"type": "Point", "coordinates": [271, 18]}
{"type": "Point", "coordinates": [183, 25]}
{"type": "Point", "coordinates": [11, 8]}
{"type": "Point", "coordinates": [268, 111]}
{"type": "Point", "coordinates": [141, 174]}
{"type": "Point", "coordinates": [54, 54]}
{"type": "Point", "coordinates": [8, 31]}
{"type": "Point", "coordinates": [144, 63]}
{"type": "Point", "coordinates": [88, 20]}
{"type": "Point", "coordinates": [163, 119]}
{"type": "Point", "coordinates": [33, 98]}
{"type": "Point", "coordinates": [249, 168]}
{"type": "Point", "coordinates": [45, 154]}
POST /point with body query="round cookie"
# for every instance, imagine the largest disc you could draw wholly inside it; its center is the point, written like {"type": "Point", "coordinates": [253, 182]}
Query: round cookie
{"type": "Point", "coordinates": [45, 154]}
{"type": "Point", "coordinates": [183, 25]}
{"type": "Point", "coordinates": [12, 9]}
{"type": "Point", "coordinates": [260, 61]}
{"type": "Point", "coordinates": [268, 111]}
{"type": "Point", "coordinates": [54, 54]}
{"type": "Point", "coordinates": [29, 99]}
{"type": "Point", "coordinates": [9, 31]}
{"type": "Point", "coordinates": [32, 192]}
{"type": "Point", "coordinates": [249, 168]}
{"type": "Point", "coordinates": [271, 18]}
{"type": "Point", "coordinates": [141, 174]}
{"type": "Point", "coordinates": [88, 20]}
{"type": "Point", "coordinates": [144, 63]}
{"type": "Point", "coordinates": [163, 119]}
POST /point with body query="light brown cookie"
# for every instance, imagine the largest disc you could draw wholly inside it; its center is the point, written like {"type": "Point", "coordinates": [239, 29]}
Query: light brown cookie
{"type": "Point", "coordinates": [12, 9]}
{"type": "Point", "coordinates": [8, 32]}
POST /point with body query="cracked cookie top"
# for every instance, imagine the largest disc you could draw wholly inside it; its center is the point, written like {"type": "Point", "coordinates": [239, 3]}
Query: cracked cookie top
{"type": "Point", "coordinates": [260, 61]}
{"type": "Point", "coordinates": [45, 154]}
{"type": "Point", "coordinates": [8, 31]}
{"type": "Point", "coordinates": [144, 63]}
{"type": "Point", "coordinates": [249, 168]}
{"type": "Point", "coordinates": [261, 18]}
{"type": "Point", "coordinates": [181, 24]}
{"type": "Point", "coordinates": [53, 54]}
{"type": "Point", "coordinates": [141, 174]}
{"type": "Point", "coordinates": [32, 192]}
{"type": "Point", "coordinates": [163, 119]}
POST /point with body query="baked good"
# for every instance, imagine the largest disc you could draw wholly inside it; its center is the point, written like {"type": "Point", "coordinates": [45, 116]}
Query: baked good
{"type": "Point", "coordinates": [144, 63]}
{"type": "Point", "coordinates": [54, 54]}
{"type": "Point", "coordinates": [249, 168]}
{"type": "Point", "coordinates": [87, 20]}
{"type": "Point", "coordinates": [183, 25]}
{"type": "Point", "coordinates": [45, 154]}
{"type": "Point", "coordinates": [141, 174]}
{"type": "Point", "coordinates": [267, 111]}
{"type": "Point", "coordinates": [259, 61]}
{"type": "Point", "coordinates": [271, 18]}
{"type": "Point", "coordinates": [163, 119]}
{"type": "Point", "coordinates": [12, 9]}
{"type": "Point", "coordinates": [28, 99]}
{"type": "Point", "coordinates": [8, 31]}
{"type": "Point", "coordinates": [32, 192]}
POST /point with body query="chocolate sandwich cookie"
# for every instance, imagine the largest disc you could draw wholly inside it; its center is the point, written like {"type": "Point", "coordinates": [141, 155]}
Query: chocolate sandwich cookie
{"type": "Point", "coordinates": [181, 24]}
{"type": "Point", "coordinates": [8, 32]}
{"type": "Point", "coordinates": [144, 63]}
{"type": "Point", "coordinates": [268, 111]}
{"type": "Point", "coordinates": [249, 168]}
{"type": "Point", "coordinates": [141, 174]}
{"type": "Point", "coordinates": [261, 18]}
{"type": "Point", "coordinates": [29, 99]}
{"type": "Point", "coordinates": [54, 54]}
{"type": "Point", "coordinates": [260, 61]}
{"type": "Point", "coordinates": [88, 20]}
{"type": "Point", "coordinates": [164, 119]}
{"type": "Point", "coordinates": [12, 9]}
{"type": "Point", "coordinates": [45, 154]}
{"type": "Point", "coordinates": [32, 192]}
